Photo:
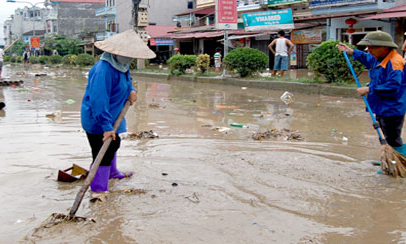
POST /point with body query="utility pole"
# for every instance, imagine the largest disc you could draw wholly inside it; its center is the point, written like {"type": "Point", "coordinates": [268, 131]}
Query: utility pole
{"type": "Point", "coordinates": [140, 19]}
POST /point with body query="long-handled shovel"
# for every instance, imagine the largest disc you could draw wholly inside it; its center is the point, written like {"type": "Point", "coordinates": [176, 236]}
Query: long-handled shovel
{"type": "Point", "coordinates": [57, 218]}
{"type": "Point", "coordinates": [90, 176]}
{"type": "Point", "coordinates": [392, 162]}
{"type": "Point", "coordinates": [96, 163]}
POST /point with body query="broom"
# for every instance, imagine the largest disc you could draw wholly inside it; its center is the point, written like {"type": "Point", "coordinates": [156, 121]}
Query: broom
{"type": "Point", "coordinates": [392, 162]}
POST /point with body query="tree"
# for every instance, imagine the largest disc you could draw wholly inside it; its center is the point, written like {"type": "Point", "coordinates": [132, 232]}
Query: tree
{"type": "Point", "coordinates": [327, 60]}
{"type": "Point", "coordinates": [18, 48]}
{"type": "Point", "coordinates": [63, 44]}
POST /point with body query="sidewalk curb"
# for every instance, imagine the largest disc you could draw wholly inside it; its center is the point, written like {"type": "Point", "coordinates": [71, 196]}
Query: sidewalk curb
{"type": "Point", "coordinates": [319, 89]}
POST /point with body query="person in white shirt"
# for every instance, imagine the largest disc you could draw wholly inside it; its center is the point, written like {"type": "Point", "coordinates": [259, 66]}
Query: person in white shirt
{"type": "Point", "coordinates": [1, 61]}
{"type": "Point", "coordinates": [281, 52]}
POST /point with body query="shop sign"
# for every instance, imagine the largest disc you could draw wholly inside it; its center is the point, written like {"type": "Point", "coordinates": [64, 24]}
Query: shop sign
{"type": "Point", "coordinates": [331, 3]}
{"type": "Point", "coordinates": [282, 2]}
{"type": "Point", "coordinates": [34, 42]}
{"type": "Point", "coordinates": [204, 3]}
{"type": "Point", "coordinates": [226, 14]}
{"type": "Point", "coordinates": [268, 20]}
{"type": "Point", "coordinates": [306, 36]}
{"type": "Point", "coordinates": [161, 42]}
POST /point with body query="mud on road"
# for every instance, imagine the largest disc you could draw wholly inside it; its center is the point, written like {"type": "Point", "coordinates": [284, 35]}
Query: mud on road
{"type": "Point", "coordinates": [202, 180]}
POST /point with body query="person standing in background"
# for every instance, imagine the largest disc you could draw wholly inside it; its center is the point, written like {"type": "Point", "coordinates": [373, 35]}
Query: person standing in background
{"type": "Point", "coordinates": [1, 61]}
{"type": "Point", "coordinates": [281, 53]}
{"type": "Point", "coordinates": [217, 59]}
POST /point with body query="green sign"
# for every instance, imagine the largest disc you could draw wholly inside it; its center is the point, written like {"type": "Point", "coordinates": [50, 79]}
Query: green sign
{"type": "Point", "coordinates": [282, 2]}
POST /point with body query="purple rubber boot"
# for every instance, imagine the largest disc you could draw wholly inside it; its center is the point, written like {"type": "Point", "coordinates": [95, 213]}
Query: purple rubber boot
{"type": "Point", "coordinates": [114, 172]}
{"type": "Point", "coordinates": [100, 181]}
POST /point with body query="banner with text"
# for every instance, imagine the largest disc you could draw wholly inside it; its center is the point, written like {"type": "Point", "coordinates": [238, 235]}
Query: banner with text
{"type": "Point", "coordinates": [282, 2]}
{"type": "Point", "coordinates": [268, 20]}
{"type": "Point", "coordinates": [306, 36]}
{"type": "Point", "coordinates": [34, 42]}
{"type": "Point", "coordinates": [161, 42]}
{"type": "Point", "coordinates": [331, 3]}
{"type": "Point", "coordinates": [226, 14]}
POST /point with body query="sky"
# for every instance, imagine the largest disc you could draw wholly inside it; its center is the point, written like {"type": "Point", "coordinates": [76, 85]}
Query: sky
{"type": "Point", "coordinates": [7, 9]}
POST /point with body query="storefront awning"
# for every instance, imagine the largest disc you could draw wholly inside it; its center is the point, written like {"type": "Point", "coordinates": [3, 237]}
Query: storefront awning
{"type": "Point", "coordinates": [199, 11]}
{"type": "Point", "coordinates": [395, 12]}
{"type": "Point", "coordinates": [386, 15]}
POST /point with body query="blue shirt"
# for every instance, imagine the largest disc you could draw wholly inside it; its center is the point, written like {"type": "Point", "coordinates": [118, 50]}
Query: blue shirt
{"type": "Point", "coordinates": [106, 92]}
{"type": "Point", "coordinates": [387, 96]}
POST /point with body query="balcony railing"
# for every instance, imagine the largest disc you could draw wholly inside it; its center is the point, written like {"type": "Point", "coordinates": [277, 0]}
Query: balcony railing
{"type": "Point", "coordinates": [106, 11]}
{"type": "Point", "coordinates": [104, 35]}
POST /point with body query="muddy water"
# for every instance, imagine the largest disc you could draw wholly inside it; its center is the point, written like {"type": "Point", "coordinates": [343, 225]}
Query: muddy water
{"type": "Point", "coordinates": [229, 188]}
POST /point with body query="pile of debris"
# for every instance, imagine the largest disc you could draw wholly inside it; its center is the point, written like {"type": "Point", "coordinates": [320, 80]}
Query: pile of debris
{"type": "Point", "coordinates": [284, 134]}
{"type": "Point", "coordinates": [11, 83]}
{"type": "Point", "coordinates": [143, 135]}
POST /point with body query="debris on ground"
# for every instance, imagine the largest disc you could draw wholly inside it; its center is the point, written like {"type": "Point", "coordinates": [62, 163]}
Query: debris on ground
{"type": "Point", "coordinates": [143, 135]}
{"type": "Point", "coordinates": [193, 198]}
{"type": "Point", "coordinates": [70, 101]}
{"type": "Point", "coordinates": [226, 107]}
{"type": "Point", "coordinates": [154, 105]}
{"type": "Point", "coordinates": [217, 128]}
{"type": "Point", "coordinates": [11, 82]}
{"type": "Point", "coordinates": [130, 191]}
{"type": "Point", "coordinates": [284, 134]}
{"type": "Point", "coordinates": [41, 74]}
{"type": "Point", "coordinates": [287, 98]}
{"type": "Point", "coordinates": [56, 114]}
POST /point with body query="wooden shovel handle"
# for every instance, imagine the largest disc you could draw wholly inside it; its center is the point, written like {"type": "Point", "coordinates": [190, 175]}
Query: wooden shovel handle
{"type": "Point", "coordinates": [96, 163]}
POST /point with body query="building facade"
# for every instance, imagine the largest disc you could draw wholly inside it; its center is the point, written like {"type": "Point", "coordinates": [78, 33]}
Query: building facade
{"type": "Point", "coordinates": [74, 17]}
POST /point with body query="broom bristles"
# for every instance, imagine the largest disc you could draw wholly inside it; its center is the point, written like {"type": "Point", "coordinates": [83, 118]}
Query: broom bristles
{"type": "Point", "coordinates": [392, 162]}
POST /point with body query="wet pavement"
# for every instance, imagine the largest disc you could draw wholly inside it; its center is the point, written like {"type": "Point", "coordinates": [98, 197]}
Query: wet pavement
{"type": "Point", "coordinates": [202, 180]}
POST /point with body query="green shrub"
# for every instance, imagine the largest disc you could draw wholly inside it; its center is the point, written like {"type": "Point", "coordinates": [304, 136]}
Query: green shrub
{"type": "Point", "coordinates": [6, 59]}
{"type": "Point", "coordinates": [84, 59]}
{"type": "Point", "coordinates": [34, 60]}
{"type": "Point", "coordinates": [246, 61]}
{"type": "Point", "coordinates": [13, 59]}
{"type": "Point", "coordinates": [66, 59]}
{"type": "Point", "coordinates": [19, 59]}
{"type": "Point", "coordinates": [72, 59]}
{"type": "Point", "coordinates": [179, 63]}
{"type": "Point", "coordinates": [203, 62]}
{"type": "Point", "coordinates": [43, 59]}
{"type": "Point", "coordinates": [327, 60]}
{"type": "Point", "coordinates": [55, 59]}
{"type": "Point", "coordinates": [133, 64]}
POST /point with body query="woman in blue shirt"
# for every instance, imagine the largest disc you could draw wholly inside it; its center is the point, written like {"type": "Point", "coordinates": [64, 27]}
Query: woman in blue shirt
{"type": "Point", "coordinates": [109, 87]}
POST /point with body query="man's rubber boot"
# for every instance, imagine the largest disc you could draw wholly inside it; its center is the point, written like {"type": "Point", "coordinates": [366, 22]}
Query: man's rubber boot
{"type": "Point", "coordinates": [401, 149]}
{"type": "Point", "coordinates": [114, 172]}
{"type": "Point", "coordinates": [100, 181]}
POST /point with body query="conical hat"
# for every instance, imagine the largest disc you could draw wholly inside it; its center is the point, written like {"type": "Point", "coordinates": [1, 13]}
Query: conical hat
{"type": "Point", "coordinates": [126, 44]}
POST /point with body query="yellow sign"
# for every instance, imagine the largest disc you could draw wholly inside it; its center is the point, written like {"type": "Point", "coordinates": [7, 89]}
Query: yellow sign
{"type": "Point", "coordinates": [34, 42]}
{"type": "Point", "coordinates": [306, 36]}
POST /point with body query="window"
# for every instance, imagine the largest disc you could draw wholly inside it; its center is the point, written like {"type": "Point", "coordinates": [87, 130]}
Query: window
{"type": "Point", "coordinates": [190, 5]}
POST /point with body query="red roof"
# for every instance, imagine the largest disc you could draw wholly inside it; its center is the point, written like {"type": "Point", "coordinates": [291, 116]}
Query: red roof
{"type": "Point", "coordinates": [78, 1]}
{"type": "Point", "coordinates": [156, 31]}
{"type": "Point", "coordinates": [395, 12]}
{"type": "Point", "coordinates": [200, 11]}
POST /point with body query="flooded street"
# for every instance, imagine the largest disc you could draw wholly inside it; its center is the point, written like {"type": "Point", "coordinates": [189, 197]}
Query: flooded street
{"type": "Point", "coordinates": [202, 181]}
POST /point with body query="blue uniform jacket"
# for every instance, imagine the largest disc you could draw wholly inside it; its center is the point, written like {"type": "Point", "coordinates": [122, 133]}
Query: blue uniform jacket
{"type": "Point", "coordinates": [387, 96]}
{"type": "Point", "coordinates": [106, 92]}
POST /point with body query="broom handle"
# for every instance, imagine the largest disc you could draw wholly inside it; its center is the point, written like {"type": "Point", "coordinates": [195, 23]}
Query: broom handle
{"type": "Point", "coordinates": [375, 124]}
{"type": "Point", "coordinates": [96, 163]}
